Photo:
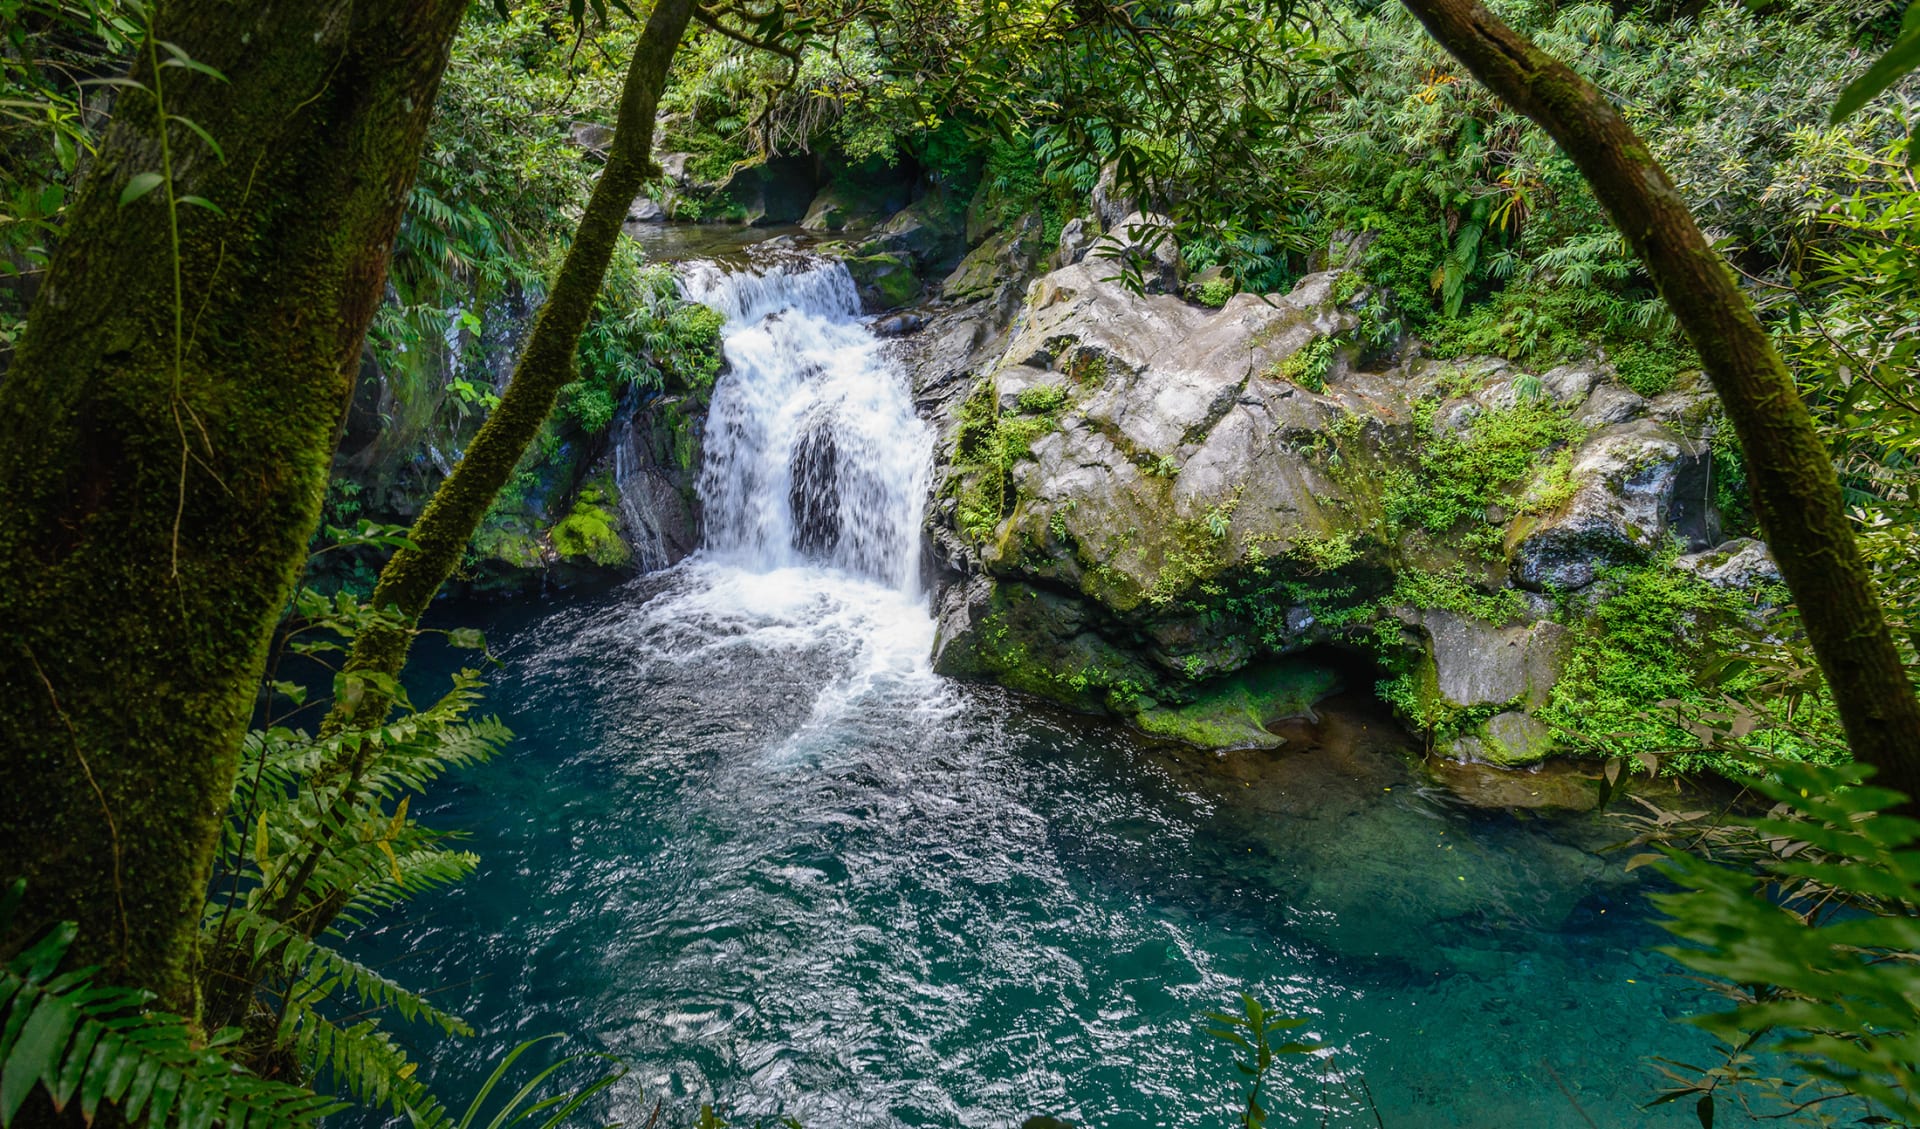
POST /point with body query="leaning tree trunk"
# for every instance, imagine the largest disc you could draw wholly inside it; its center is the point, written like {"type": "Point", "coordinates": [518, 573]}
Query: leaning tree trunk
{"type": "Point", "coordinates": [1795, 492]}
{"type": "Point", "coordinates": [413, 577]}
{"type": "Point", "coordinates": [165, 432]}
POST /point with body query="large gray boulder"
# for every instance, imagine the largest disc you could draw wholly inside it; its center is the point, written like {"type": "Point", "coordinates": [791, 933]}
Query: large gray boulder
{"type": "Point", "coordinates": [1142, 504]}
{"type": "Point", "coordinates": [1483, 664]}
{"type": "Point", "coordinates": [1005, 257]}
{"type": "Point", "coordinates": [931, 231]}
{"type": "Point", "coordinates": [1634, 484]}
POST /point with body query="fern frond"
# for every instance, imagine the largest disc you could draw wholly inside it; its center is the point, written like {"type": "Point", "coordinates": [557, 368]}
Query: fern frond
{"type": "Point", "coordinates": [302, 957]}
{"type": "Point", "coordinates": [105, 1046]}
{"type": "Point", "coordinates": [360, 1059]}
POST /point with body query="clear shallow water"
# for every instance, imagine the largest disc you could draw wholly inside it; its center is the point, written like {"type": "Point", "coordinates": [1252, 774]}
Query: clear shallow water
{"type": "Point", "coordinates": [749, 842]}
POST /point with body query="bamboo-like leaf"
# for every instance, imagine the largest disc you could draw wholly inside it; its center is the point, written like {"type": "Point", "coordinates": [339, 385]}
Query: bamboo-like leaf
{"type": "Point", "coordinates": [138, 186]}
{"type": "Point", "coordinates": [1900, 58]}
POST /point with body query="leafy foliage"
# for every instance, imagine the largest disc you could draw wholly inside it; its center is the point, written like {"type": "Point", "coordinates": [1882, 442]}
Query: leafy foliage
{"type": "Point", "coordinates": [103, 1046]}
{"type": "Point", "coordinates": [317, 839]}
{"type": "Point", "coordinates": [1640, 679]}
{"type": "Point", "coordinates": [1252, 1031]}
{"type": "Point", "coordinates": [1489, 460]}
{"type": "Point", "coordinates": [1810, 915]}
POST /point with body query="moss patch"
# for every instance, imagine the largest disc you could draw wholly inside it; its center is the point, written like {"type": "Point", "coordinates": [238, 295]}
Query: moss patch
{"type": "Point", "coordinates": [887, 279]}
{"type": "Point", "coordinates": [1233, 712]}
{"type": "Point", "coordinates": [591, 530]}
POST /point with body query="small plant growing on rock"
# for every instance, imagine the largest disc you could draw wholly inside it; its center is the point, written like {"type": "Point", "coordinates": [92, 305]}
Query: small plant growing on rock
{"type": "Point", "coordinates": [1325, 552]}
{"type": "Point", "coordinates": [1214, 292]}
{"type": "Point", "coordinates": [1306, 367]}
{"type": "Point", "coordinates": [1349, 284]}
{"type": "Point", "coordinates": [1087, 366]}
{"type": "Point", "coordinates": [1042, 399]}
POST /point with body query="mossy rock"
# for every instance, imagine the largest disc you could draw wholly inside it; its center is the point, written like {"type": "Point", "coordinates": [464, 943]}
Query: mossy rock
{"type": "Point", "coordinates": [591, 531]}
{"type": "Point", "coordinates": [1042, 643]}
{"type": "Point", "coordinates": [1233, 712]}
{"type": "Point", "coordinates": [1509, 740]}
{"type": "Point", "coordinates": [512, 542]}
{"type": "Point", "coordinates": [886, 282]}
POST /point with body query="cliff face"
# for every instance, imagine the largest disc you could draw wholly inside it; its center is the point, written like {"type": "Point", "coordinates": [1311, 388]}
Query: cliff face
{"type": "Point", "coordinates": [1174, 513]}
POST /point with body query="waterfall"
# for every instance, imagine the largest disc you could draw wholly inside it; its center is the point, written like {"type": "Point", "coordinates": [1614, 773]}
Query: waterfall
{"type": "Point", "coordinates": [813, 452]}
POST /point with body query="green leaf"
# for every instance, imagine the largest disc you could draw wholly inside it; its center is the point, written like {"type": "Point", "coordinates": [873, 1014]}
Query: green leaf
{"type": "Point", "coordinates": [36, 1054]}
{"type": "Point", "coordinates": [467, 638]}
{"type": "Point", "coordinates": [1902, 57]}
{"type": "Point", "coordinates": [182, 59]}
{"type": "Point", "coordinates": [140, 185]}
{"type": "Point", "coordinates": [38, 962]}
{"type": "Point", "coordinates": [204, 136]}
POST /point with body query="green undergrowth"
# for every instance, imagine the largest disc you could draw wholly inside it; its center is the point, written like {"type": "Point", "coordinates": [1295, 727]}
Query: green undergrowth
{"type": "Point", "coordinates": [1469, 482]}
{"type": "Point", "coordinates": [643, 338]}
{"type": "Point", "coordinates": [1307, 366]}
{"type": "Point", "coordinates": [1659, 647]}
{"type": "Point", "coordinates": [1545, 325]}
{"type": "Point", "coordinates": [990, 442]}
{"type": "Point", "coordinates": [1214, 292]}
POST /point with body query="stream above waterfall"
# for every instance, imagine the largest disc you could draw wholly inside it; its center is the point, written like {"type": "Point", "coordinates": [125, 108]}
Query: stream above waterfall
{"type": "Point", "coordinates": [748, 842]}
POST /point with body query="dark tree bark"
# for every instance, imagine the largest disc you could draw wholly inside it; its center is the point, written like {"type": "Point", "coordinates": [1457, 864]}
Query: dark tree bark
{"type": "Point", "coordinates": [1795, 492]}
{"type": "Point", "coordinates": [413, 576]}
{"type": "Point", "coordinates": [165, 432]}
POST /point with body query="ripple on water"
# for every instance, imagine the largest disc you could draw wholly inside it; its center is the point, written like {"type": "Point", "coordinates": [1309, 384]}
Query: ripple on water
{"type": "Point", "coordinates": [746, 840]}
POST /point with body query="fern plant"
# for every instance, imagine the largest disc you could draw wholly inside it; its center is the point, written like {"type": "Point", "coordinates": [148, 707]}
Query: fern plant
{"type": "Point", "coordinates": [311, 847]}
{"type": "Point", "coordinates": [318, 838]}
{"type": "Point", "coordinates": [1810, 917]}
{"type": "Point", "coordinates": [103, 1046]}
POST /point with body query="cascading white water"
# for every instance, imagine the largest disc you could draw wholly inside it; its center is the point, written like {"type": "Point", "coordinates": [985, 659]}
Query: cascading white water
{"type": "Point", "coordinates": [813, 452]}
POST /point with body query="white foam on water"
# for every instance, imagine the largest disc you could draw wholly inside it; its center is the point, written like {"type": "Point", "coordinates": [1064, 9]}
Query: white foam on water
{"type": "Point", "coordinates": [813, 480]}
{"type": "Point", "coordinates": [813, 453]}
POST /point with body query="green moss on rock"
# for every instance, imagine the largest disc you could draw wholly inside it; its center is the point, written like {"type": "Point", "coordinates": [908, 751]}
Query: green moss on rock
{"type": "Point", "coordinates": [591, 530]}
{"type": "Point", "coordinates": [885, 281]}
{"type": "Point", "coordinates": [1233, 712]}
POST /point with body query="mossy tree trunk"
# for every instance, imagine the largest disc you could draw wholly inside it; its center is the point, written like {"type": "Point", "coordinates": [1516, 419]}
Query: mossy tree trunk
{"type": "Point", "coordinates": [165, 434]}
{"type": "Point", "coordinates": [414, 575]}
{"type": "Point", "coordinates": [1795, 492]}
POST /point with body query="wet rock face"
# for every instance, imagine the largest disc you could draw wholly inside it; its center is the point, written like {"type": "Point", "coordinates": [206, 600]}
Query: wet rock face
{"type": "Point", "coordinates": [1636, 482]}
{"type": "Point", "coordinates": [1141, 503]}
{"type": "Point", "coordinates": [1480, 664]}
{"type": "Point", "coordinates": [814, 498]}
{"type": "Point", "coordinates": [1741, 563]}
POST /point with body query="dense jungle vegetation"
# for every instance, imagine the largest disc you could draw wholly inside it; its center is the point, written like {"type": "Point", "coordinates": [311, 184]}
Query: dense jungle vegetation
{"type": "Point", "coordinates": [263, 286]}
